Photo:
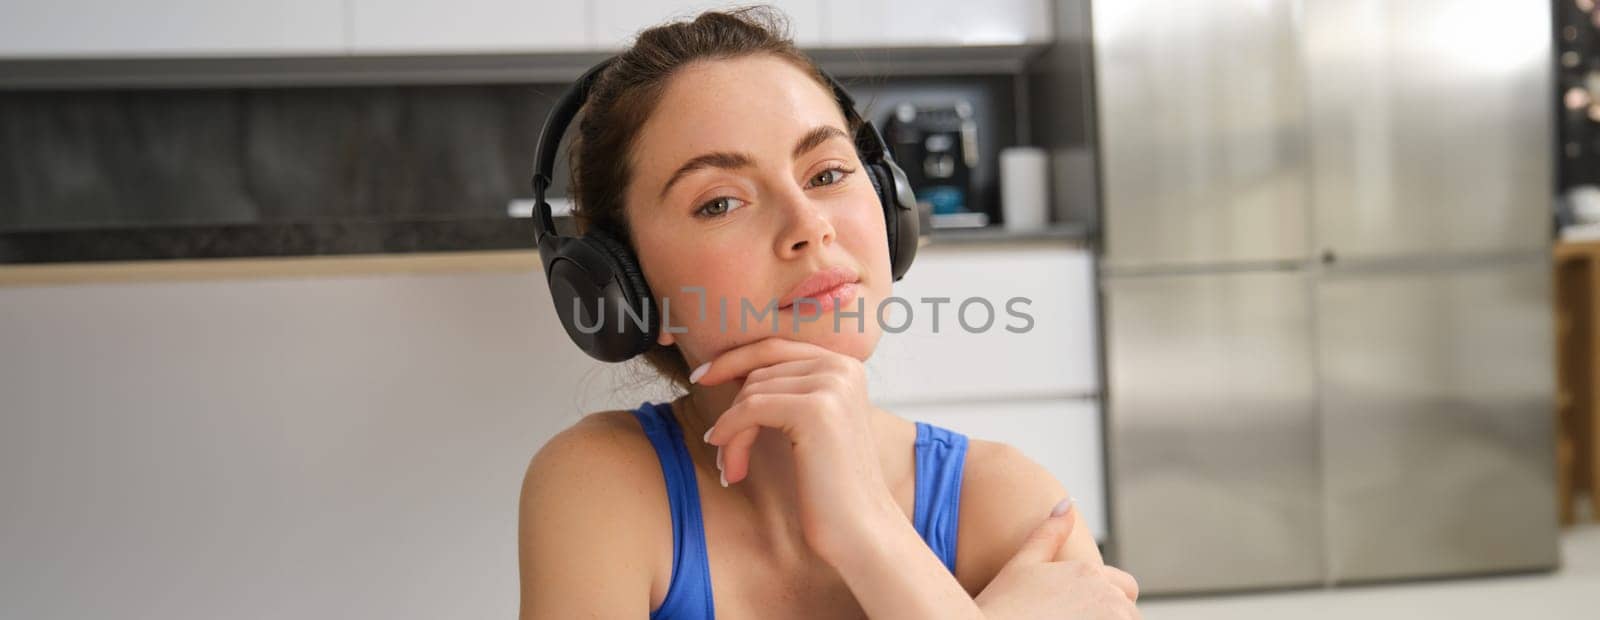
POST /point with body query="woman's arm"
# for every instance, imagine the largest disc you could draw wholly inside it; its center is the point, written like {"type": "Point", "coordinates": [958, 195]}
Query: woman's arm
{"type": "Point", "coordinates": [582, 545]}
{"type": "Point", "coordinates": [894, 573]}
{"type": "Point", "coordinates": [1004, 494]}
{"type": "Point", "coordinates": [1003, 491]}
{"type": "Point", "coordinates": [1005, 498]}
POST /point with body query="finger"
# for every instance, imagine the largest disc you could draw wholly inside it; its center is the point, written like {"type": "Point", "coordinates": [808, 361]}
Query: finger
{"type": "Point", "coordinates": [739, 427]}
{"type": "Point", "coordinates": [1080, 546]}
{"type": "Point", "coordinates": [741, 360]}
{"type": "Point", "coordinates": [736, 463]}
{"type": "Point", "coordinates": [1122, 580]}
{"type": "Point", "coordinates": [735, 454]}
{"type": "Point", "coordinates": [1042, 543]}
{"type": "Point", "coordinates": [800, 384]}
{"type": "Point", "coordinates": [791, 368]}
{"type": "Point", "coordinates": [754, 411]}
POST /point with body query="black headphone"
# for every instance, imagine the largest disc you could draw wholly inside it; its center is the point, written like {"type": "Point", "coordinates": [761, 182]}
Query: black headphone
{"type": "Point", "coordinates": [585, 273]}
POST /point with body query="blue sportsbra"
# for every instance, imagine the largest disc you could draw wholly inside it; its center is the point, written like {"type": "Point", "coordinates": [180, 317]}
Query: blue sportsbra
{"type": "Point", "coordinates": [940, 455]}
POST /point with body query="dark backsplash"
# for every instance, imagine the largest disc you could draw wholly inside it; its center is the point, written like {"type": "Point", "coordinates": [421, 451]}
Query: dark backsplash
{"type": "Point", "coordinates": [284, 159]}
{"type": "Point", "coordinates": [200, 157]}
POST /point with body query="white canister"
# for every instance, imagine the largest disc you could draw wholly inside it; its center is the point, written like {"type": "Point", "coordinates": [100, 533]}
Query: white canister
{"type": "Point", "coordinates": [1024, 188]}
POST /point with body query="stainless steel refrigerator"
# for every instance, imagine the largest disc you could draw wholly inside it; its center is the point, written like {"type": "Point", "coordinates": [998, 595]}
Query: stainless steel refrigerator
{"type": "Point", "coordinates": [1325, 288]}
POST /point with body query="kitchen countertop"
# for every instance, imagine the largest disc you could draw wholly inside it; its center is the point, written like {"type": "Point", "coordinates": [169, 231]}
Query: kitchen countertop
{"type": "Point", "coordinates": [331, 247]}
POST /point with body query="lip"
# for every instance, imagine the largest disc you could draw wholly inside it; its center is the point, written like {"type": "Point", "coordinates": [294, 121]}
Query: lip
{"type": "Point", "coordinates": [826, 301]}
{"type": "Point", "coordinates": [822, 285]}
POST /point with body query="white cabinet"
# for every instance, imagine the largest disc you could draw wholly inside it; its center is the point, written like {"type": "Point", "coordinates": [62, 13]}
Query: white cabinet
{"type": "Point", "coordinates": [168, 28]}
{"type": "Point", "coordinates": [1062, 435]}
{"type": "Point", "coordinates": [939, 360]}
{"type": "Point", "coordinates": [617, 21]}
{"type": "Point", "coordinates": [463, 26]}
{"type": "Point", "coordinates": [891, 23]}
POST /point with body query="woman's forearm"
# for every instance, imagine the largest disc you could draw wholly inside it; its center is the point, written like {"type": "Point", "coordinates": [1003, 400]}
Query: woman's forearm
{"type": "Point", "coordinates": [894, 574]}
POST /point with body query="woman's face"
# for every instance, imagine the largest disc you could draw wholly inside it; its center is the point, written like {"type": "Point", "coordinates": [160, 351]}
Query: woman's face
{"type": "Point", "coordinates": [745, 182]}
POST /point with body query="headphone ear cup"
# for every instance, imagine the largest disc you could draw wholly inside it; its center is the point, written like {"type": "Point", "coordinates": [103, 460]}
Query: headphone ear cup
{"type": "Point", "coordinates": [591, 279]}
{"type": "Point", "coordinates": [877, 184]}
{"type": "Point", "coordinates": [634, 288]}
{"type": "Point", "coordinates": [901, 215]}
{"type": "Point", "coordinates": [876, 174]}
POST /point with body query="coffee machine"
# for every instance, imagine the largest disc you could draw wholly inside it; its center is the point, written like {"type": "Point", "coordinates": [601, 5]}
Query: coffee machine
{"type": "Point", "coordinates": [937, 145]}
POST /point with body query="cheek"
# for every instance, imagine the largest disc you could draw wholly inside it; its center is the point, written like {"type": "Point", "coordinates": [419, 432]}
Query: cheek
{"type": "Point", "coordinates": [698, 279]}
{"type": "Point", "coordinates": [707, 319]}
{"type": "Point", "coordinates": [865, 238]}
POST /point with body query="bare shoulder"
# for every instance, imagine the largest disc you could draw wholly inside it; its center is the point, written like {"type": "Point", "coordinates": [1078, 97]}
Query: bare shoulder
{"type": "Point", "coordinates": [607, 447]}
{"type": "Point", "coordinates": [603, 450]}
{"type": "Point", "coordinates": [589, 500]}
{"type": "Point", "coordinates": [1003, 491]}
{"type": "Point", "coordinates": [1005, 495]}
{"type": "Point", "coordinates": [605, 439]}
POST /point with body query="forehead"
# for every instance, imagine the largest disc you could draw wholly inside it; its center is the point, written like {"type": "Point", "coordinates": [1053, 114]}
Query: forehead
{"type": "Point", "coordinates": [755, 104]}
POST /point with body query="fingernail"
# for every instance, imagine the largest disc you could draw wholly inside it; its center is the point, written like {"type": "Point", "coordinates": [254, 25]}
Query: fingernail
{"type": "Point", "coordinates": [700, 371]}
{"type": "Point", "coordinates": [707, 437]}
{"type": "Point", "coordinates": [723, 478]}
{"type": "Point", "coordinates": [719, 459]}
{"type": "Point", "coordinates": [1062, 507]}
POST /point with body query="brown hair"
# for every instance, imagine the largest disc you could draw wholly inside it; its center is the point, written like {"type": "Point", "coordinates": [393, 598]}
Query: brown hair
{"type": "Point", "coordinates": [622, 99]}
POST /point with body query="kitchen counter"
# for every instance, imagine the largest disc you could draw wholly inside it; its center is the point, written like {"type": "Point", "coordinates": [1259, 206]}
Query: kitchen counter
{"type": "Point", "coordinates": [333, 247]}
{"type": "Point", "coordinates": [267, 267]}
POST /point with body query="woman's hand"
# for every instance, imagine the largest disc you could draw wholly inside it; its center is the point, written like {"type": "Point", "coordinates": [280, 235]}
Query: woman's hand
{"type": "Point", "coordinates": [1038, 582]}
{"type": "Point", "coordinates": [818, 399]}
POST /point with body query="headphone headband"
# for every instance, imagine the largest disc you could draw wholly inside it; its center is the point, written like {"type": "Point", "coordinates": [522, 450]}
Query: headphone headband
{"type": "Point", "coordinates": [550, 138]}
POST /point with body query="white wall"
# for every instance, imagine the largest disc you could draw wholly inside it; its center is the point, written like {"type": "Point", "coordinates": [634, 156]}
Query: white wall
{"type": "Point", "coordinates": [289, 448]}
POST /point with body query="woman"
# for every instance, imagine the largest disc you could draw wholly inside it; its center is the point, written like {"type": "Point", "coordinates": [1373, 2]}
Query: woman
{"type": "Point", "coordinates": [721, 156]}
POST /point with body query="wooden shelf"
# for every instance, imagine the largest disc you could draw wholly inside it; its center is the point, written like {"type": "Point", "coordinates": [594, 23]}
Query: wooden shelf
{"type": "Point", "coordinates": [1077, 233]}
{"type": "Point", "coordinates": [274, 267]}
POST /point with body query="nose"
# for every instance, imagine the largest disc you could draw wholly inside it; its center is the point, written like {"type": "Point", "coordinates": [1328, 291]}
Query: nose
{"type": "Point", "coordinates": [807, 226]}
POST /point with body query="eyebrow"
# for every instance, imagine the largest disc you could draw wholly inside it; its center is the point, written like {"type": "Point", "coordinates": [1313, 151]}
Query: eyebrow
{"type": "Point", "coordinates": [732, 161]}
{"type": "Point", "coordinates": [816, 137]}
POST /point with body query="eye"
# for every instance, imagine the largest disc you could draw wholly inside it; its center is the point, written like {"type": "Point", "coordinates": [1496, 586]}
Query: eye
{"type": "Point", "coordinates": [717, 207]}
{"type": "Point", "coordinates": [830, 176]}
